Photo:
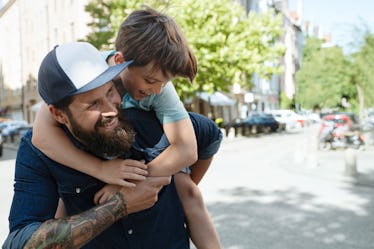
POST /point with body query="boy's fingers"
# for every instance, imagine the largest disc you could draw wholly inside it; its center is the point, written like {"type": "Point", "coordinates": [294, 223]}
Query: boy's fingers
{"type": "Point", "coordinates": [134, 170]}
{"type": "Point", "coordinates": [135, 163]}
{"type": "Point", "coordinates": [124, 183]}
{"type": "Point", "coordinates": [97, 197]}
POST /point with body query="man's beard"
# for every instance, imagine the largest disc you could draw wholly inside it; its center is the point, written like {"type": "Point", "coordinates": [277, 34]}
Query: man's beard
{"type": "Point", "coordinates": [111, 144]}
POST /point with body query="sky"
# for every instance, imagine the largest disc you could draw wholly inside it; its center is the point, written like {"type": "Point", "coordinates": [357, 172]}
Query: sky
{"type": "Point", "coordinates": [338, 18]}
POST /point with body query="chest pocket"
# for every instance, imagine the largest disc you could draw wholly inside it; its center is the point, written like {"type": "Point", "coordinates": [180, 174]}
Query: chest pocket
{"type": "Point", "coordinates": [76, 189]}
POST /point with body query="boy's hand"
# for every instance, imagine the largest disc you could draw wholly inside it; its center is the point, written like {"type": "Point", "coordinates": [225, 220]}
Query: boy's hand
{"type": "Point", "coordinates": [119, 171]}
{"type": "Point", "coordinates": [104, 194]}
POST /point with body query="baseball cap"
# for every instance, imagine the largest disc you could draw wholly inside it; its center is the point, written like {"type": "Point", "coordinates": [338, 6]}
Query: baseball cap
{"type": "Point", "coordinates": [107, 54]}
{"type": "Point", "coordinates": [74, 68]}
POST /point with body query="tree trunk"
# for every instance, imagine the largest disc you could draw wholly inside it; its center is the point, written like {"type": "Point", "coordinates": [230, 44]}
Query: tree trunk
{"type": "Point", "coordinates": [361, 100]}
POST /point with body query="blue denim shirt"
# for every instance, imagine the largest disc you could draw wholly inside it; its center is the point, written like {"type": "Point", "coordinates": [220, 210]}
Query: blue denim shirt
{"type": "Point", "coordinates": [40, 181]}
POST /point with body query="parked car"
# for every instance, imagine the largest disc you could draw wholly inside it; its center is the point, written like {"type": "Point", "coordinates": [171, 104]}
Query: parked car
{"type": "Point", "coordinates": [10, 128]}
{"type": "Point", "coordinates": [21, 131]}
{"type": "Point", "coordinates": [1, 145]}
{"type": "Point", "coordinates": [233, 124]}
{"type": "Point", "coordinates": [288, 119]}
{"type": "Point", "coordinates": [257, 123]}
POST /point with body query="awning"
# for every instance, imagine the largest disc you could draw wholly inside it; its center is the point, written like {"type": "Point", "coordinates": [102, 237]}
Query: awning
{"type": "Point", "coordinates": [216, 99]}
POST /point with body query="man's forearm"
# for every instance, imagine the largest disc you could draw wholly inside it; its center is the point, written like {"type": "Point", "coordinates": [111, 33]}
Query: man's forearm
{"type": "Point", "coordinates": [75, 231]}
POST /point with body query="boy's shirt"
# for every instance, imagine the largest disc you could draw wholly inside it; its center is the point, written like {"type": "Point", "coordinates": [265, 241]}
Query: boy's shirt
{"type": "Point", "coordinates": [167, 105]}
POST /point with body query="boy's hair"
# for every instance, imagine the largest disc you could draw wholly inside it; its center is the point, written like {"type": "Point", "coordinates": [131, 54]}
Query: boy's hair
{"type": "Point", "coordinates": [148, 35]}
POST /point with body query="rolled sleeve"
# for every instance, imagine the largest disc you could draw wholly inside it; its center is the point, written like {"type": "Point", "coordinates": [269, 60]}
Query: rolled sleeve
{"type": "Point", "coordinates": [35, 194]}
{"type": "Point", "coordinates": [18, 238]}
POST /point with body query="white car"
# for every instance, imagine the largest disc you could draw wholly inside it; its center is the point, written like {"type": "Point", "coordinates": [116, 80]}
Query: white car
{"type": "Point", "coordinates": [10, 127]}
{"type": "Point", "coordinates": [288, 119]}
{"type": "Point", "coordinates": [1, 145]}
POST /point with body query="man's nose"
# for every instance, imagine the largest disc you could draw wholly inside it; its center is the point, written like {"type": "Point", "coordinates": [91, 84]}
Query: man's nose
{"type": "Point", "coordinates": [110, 109]}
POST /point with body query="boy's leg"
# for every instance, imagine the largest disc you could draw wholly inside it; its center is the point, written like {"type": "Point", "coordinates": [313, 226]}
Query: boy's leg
{"type": "Point", "coordinates": [209, 137]}
{"type": "Point", "coordinates": [200, 225]}
{"type": "Point", "coordinates": [61, 211]}
{"type": "Point", "coordinates": [199, 168]}
{"type": "Point", "coordinates": [201, 228]}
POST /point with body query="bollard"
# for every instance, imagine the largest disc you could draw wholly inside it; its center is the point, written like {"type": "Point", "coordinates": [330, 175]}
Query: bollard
{"type": "Point", "coordinates": [312, 147]}
{"type": "Point", "coordinates": [350, 159]}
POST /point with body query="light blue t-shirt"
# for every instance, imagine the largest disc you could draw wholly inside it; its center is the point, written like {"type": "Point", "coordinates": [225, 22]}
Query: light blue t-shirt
{"type": "Point", "coordinates": [167, 105]}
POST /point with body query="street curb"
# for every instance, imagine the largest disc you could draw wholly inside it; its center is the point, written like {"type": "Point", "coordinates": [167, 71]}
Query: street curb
{"type": "Point", "coordinates": [360, 179]}
{"type": "Point", "coordinates": [11, 146]}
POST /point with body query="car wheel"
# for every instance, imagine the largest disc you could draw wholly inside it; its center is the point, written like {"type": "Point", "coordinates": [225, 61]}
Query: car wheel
{"type": "Point", "coordinates": [1, 150]}
{"type": "Point", "coordinates": [267, 129]}
{"type": "Point", "coordinates": [254, 129]}
{"type": "Point", "coordinates": [324, 146]}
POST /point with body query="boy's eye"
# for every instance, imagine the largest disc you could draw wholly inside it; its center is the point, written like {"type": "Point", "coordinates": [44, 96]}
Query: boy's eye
{"type": "Point", "coordinates": [151, 82]}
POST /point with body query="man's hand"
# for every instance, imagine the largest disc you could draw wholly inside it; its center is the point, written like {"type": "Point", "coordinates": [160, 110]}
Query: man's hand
{"type": "Point", "coordinates": [119, 171]}
{"type": "Point", "coordinates": [75, 231]}
{"type": "Point", "coordinates": [145, 194]}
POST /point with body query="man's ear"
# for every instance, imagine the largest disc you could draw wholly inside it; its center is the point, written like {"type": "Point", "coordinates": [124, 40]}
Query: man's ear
{"type": "Point", "coordinates": [118, 58]}
{"type": "Point", "coordinates": [57, 114]}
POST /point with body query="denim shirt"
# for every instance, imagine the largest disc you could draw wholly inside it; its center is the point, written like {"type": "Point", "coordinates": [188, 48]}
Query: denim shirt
{"type": "Point", "coordinates": [40, 181]}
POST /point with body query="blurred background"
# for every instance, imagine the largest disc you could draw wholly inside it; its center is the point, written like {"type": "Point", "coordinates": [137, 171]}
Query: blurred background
{"type": "Point", "coordinates": [288, 81]}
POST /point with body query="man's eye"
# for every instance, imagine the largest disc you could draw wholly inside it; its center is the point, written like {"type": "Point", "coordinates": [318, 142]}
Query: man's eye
{"type": "Point", "coordinates": [93, 104]}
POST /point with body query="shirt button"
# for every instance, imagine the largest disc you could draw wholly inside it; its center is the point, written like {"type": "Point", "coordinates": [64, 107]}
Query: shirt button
{"type": "Point", "coordinates": [130, 231]}
{"type": "Point", "coordinates": [77, 190]}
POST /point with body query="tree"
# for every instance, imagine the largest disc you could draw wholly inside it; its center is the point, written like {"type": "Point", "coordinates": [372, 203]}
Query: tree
{"type": "Point", "coordinates": [325, 77]}
{"type": "Point", "coordinates": [228, 43]}
{"type": "Point", "coordinates": [363, 76]}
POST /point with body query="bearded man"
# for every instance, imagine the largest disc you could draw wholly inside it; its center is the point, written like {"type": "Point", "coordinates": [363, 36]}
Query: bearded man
{"type": "Point", "coordinates": [77, 84]}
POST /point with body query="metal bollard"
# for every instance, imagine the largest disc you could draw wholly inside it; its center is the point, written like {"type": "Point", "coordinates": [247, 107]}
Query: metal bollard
{"type": "Point", "coordinates": [350, 159]}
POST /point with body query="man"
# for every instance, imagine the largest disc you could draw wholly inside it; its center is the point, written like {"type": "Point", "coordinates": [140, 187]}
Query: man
{"type": "Point", "coordinates": [76, 83]}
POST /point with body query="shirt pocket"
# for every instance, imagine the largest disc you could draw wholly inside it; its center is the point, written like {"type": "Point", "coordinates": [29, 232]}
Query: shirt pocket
{"type": "Point", "coordinates": [78, 194]}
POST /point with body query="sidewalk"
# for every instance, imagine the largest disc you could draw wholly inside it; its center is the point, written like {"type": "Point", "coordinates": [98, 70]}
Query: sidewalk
{"type": "Point", "coordinates": [347, 165]}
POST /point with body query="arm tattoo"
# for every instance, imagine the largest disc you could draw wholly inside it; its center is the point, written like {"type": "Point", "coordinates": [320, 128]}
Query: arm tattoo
{"type": "Point", "coordinates": [77, 230]}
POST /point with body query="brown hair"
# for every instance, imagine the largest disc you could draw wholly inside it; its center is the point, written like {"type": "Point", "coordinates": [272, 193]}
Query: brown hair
{"type": "Point", "coordinates": [148, 35]}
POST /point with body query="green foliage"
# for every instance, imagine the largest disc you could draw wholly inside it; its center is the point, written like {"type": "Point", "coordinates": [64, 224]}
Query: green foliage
{"type": "Point", "coordinates": [227, 42]}
{"type": "Point", "coordinates": [285, 102]}
{"type": "Point", "coordinates": [325, 77]}
{"type": "Point", "coordinates": [107, 16]}
{"type": "Point", "coordinates": [363, 66]}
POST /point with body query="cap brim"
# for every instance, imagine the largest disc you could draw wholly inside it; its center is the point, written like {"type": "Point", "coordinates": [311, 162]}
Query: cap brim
{"type": "Point", "coordinates": [103, 78]}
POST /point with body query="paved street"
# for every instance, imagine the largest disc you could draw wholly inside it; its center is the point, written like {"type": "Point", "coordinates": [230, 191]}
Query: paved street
{"type": "Point", "coordinates": [277, 192]}
{"type": "Point", "coordinates": [264, 193]}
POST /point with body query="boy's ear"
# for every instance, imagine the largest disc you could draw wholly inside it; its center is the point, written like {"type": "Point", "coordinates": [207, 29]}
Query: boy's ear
{"type": "Point", "coordinates": [118, 58]}
{"type": "Point", "coordinates": [58, 114]}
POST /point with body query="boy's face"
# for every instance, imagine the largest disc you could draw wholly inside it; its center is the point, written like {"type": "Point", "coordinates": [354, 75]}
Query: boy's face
{"type": "Point", "coordinates": [142, 81]}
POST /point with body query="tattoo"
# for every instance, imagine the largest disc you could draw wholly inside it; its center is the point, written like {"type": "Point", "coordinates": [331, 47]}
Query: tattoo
{"type": "Point", "coordinates": [77, 230]}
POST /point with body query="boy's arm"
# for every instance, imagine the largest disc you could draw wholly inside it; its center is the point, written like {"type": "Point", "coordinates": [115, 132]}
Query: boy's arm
{"type": "Point", "coordinates": [49, 137]}
{"type": "Point", "coordinates": [181, 153]}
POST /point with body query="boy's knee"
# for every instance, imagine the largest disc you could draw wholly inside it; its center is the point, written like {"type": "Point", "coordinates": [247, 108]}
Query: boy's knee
{"type": "Point", "coordinates": [188, 190]}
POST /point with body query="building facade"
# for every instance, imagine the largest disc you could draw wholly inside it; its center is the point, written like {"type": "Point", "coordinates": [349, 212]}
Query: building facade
{"type": "Point", "coordinates": [32, 28]}
{"type": "Point", "coordinates": [266, 94]}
